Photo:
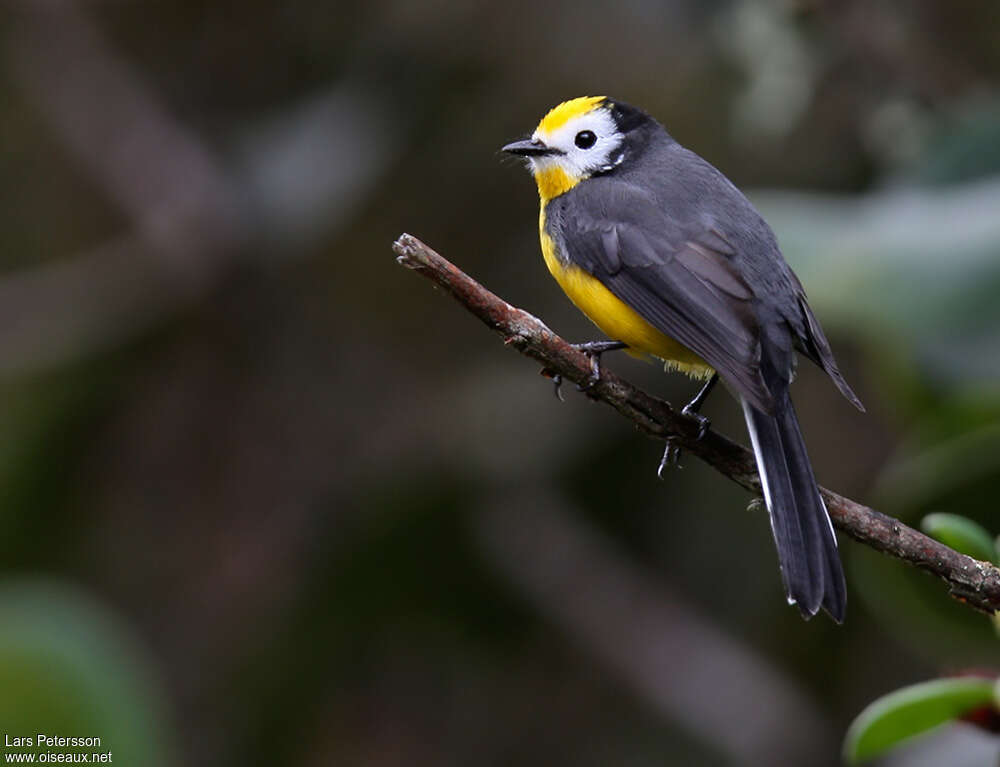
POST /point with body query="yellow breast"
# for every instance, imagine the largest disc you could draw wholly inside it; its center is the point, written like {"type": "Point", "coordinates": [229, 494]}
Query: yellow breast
{"type": "Point", "coordinates": [614, 317]}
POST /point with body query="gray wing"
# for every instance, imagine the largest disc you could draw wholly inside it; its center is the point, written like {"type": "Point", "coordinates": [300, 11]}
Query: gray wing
{"type": "Point", "coordinates": [680, 277]}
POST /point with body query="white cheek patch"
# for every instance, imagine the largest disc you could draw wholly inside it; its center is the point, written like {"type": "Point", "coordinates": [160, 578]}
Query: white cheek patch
{"type": "Point", "coordinates": [574, 161]}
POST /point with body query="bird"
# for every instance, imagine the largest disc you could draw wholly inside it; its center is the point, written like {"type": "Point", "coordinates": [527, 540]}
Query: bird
{"type": "Point", "coordinates": [669, 259]}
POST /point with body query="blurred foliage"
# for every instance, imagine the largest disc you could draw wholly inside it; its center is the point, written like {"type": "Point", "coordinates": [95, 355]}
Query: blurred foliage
{"type": "Point", "coordinates": [961, 534]}
{"type": "Point", "coordinates": [912, 711]}
{"type": "Point", "coordinates": [232, 421]}
{"type": "Point", "coordinates": [69, 668]}
{"type": "Point", "coordinates": [897, 717]}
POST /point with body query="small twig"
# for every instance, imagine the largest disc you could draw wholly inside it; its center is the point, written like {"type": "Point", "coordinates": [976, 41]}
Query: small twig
{"type": "Point", "coordinates": [970, 581]}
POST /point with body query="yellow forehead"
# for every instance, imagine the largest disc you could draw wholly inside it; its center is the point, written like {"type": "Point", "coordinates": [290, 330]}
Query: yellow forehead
{"type": "Point", "coordinates": [562, 114]}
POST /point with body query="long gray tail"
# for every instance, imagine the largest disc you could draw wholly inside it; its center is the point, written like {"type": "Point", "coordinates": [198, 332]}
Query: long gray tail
{"type": "Point", "coordinates": [807, 547]}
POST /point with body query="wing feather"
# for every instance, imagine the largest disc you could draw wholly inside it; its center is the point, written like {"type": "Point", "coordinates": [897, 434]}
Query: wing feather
{"type": "Point", "coordinates": [682, 280]}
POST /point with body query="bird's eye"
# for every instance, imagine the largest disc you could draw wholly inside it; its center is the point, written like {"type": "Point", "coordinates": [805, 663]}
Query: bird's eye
{"type": "Point", "coordinates": [585, 139]}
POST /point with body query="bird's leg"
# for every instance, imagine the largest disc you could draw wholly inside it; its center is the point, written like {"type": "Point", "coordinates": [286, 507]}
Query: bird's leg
{"type": "Point", "coordinates": [693, 408]}
{"type": "Point", "coordinates": [672, 453]}
{"type": "Point", "coordinates": [594, 350]}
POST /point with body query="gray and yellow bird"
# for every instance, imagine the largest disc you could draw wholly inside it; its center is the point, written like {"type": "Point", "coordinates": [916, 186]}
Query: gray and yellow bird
{"type": "Point", "coordinates": [668, 258]}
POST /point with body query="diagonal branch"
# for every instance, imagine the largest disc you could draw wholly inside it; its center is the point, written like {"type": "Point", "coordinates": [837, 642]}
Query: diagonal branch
{"type": "Point", "coordinates": [969, 580]}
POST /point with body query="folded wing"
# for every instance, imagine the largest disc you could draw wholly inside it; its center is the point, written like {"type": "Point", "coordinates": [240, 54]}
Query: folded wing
{"type": "Point", "coordinates": [680, 278]}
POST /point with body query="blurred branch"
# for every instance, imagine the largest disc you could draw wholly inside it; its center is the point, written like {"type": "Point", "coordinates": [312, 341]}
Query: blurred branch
{"type": "Point", "coordinates": [63, 309]}
{"type": "Point", "coordinates": [187, 217]}
{"type": "Point", "coordinates": [111, 120]}
{"type": "Point", "coordinates": [191, 216]}
{"type": "Point", "coordinates": [971, 581]}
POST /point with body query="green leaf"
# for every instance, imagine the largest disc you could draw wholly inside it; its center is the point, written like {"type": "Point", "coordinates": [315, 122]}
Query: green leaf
{"type": "Point", "coordinates": [961, 534]}
{"type": "Point", "coordinates": [911, 711]}
{"type": "Point", "coordinates": [71, 667]}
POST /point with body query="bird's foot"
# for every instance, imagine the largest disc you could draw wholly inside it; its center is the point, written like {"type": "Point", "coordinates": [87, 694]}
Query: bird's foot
{"type": "Point", "coordinates": [594, 350]}
{"type": "Point", "coordinates": [704, 422]}
{"type": "Point", "coordinates": [672, 454]}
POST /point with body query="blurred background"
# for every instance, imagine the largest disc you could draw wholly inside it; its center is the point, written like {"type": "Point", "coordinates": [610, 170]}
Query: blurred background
{"type": "Point", "coordinates": [268, 498]}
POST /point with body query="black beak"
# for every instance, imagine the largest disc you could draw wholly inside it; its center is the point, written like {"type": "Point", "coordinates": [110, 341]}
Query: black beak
{"type": "Point", "coordinates": [527, 148]}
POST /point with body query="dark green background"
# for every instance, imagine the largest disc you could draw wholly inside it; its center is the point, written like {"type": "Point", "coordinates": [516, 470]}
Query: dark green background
{"type": "Point", "coordinates": [266, 497]}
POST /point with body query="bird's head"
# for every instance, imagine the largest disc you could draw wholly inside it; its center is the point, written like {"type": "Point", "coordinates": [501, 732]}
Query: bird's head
{"type": "Point", "coordinates": [579, 139]}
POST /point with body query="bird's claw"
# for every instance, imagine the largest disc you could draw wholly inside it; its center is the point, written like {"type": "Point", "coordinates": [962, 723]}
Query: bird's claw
{"type": "Point", "coordinates": [703, 422]}
{"type": "Point", "coordinates": [594, 350]}
{"type": "Point", "coordinates": [595, 372]}
{"type": "Point", "coordinates": [672, 453]}
{"type": "Point", "coordinates": [556, 379]}
{"type": "Point", "coordinates": [671, 458]}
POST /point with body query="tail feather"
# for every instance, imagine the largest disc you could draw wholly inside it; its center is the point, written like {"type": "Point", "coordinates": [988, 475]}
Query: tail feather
{"type": "Point", "coordinates": [807, 546]}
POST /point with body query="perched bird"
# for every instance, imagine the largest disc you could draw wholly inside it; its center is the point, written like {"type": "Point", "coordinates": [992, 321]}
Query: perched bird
{"type": "Point", "coordinates": [668, 258]}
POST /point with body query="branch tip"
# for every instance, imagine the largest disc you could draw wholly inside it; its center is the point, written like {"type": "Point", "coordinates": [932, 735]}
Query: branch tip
{"type": "Point", "coordinates": [407, 247]}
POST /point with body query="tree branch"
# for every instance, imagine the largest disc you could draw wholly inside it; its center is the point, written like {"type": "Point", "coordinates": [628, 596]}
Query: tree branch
{"type": "Point", "coordinates": [970, 581]}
